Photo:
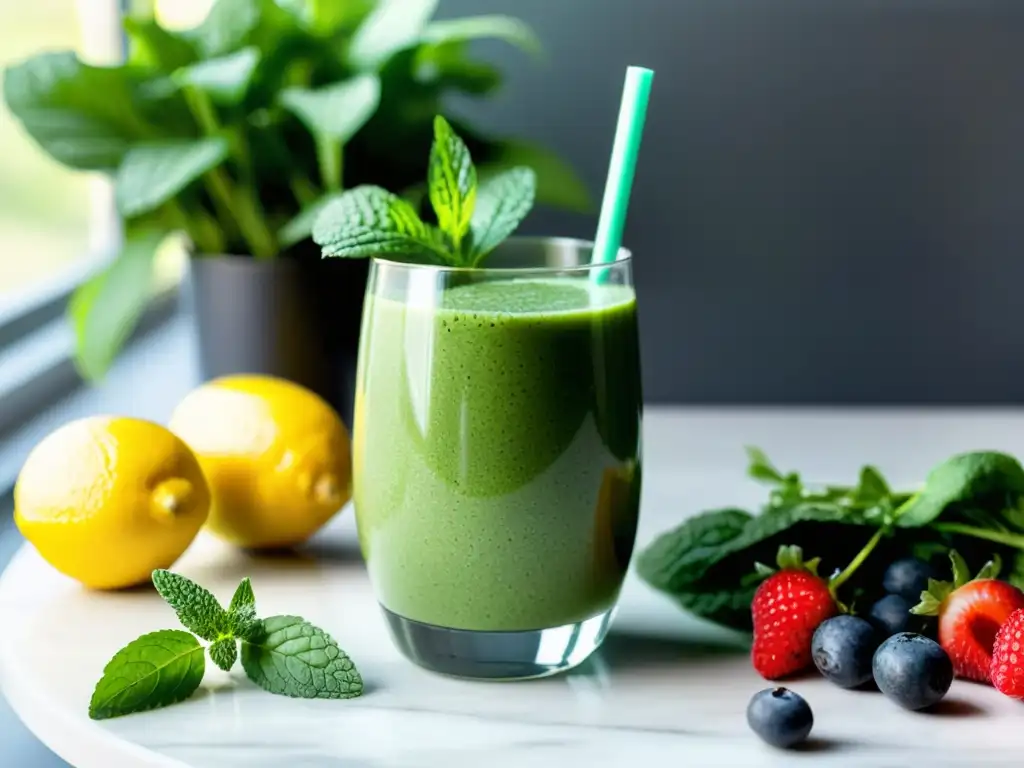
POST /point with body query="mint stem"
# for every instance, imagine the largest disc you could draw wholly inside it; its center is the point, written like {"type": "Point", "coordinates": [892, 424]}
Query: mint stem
{"type": "Point", "coordinates": [244, 208]}
{"type": "Point", "coordinates": [857, 562]}
{"type": "Point", "coordinates": [999, 537]}
{"type": "Point", "coordinates": [328, 155]}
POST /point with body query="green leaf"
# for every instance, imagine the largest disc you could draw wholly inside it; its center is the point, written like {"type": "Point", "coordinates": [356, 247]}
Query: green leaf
{"type": "Point", "coordinates": [105, 309]}
{"type": "Point", "coordinates": [727, 607]}
{"type": "Point", "coordinates": [337, 111]}
{"type": "Point", "coordinates": [872, 487]}
{"type": "Point", "coordinates": [153, 46]}
{"type": "Point", "coordinates": [225, 79]}
{"type": "Point", "coordinates": [681, 556]}
{"type": "Point", "coordinates": [991, 569]}
{"type": "Point", "coordinates": [85, 117]}
{"type": "Point", "coordinates": [152, 174]}
{"type": "Point", "coordinates": [506, 28]}
{"type": "Point", "coordinates": [242, 619]}
{"type": "Point", "coordinates": [156, 670]}
{"type": "Point", "coordinates": [224, 653]}
{"type": "Point", "coordinates": [558, 184]}
{"type": "Point", "coordinates": [979, 478]}
{"type": "Point", "coordinates": [329, 17]}
{"type": "Point", "coordinates": [243, 597]}
{"type": "Point", "coordinates": [502, 202]}
{"type": "Point", "coordinates": [451, 182]}
{"type": "Point", "coordinates": [760, 467]}
{"type": "Point", "coordinates": [197, 609]}
{"type": "Point", "coordinates": [392, 26]}
{"type": "Point", "coordinates": [301, 227]}
{"type": "Point", "coordinates": [227, 26]}
{"type": "Point", "coordinates": [961, 573]}
{"type": "Point", "coordinates": [370, 221]}
{"type": "Point", "coordinates": [294, 658]}
{"type": "Point", "coordinates": [933, 597]}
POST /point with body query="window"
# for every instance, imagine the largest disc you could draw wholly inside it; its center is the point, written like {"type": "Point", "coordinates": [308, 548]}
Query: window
{"type": "Point", "coordinates": [53, 221]}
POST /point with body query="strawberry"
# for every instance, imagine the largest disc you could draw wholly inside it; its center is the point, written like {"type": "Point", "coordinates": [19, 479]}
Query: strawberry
{"type": "Point", "coordinates": [970, 612]}
{"type": "Point", "coordinates": [787, 607]}
{"type": "Point", "coordinates": [1007, 671]}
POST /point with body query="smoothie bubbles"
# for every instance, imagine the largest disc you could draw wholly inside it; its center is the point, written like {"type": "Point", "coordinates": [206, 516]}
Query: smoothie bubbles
{"type": "Point", "coordinates": [496, 450]}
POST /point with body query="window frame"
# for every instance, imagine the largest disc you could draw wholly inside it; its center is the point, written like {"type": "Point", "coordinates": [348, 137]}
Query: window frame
{"type": "Point", "coordinates": [37, 365]}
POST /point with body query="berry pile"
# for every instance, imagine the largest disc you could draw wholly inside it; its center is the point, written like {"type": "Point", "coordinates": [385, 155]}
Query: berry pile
{"type": "Point", "coordinates": [798, 622]}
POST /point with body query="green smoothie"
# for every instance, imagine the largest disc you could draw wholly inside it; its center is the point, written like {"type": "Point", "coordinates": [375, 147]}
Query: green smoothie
{"type": "Point", "coordinates": [496, 452]}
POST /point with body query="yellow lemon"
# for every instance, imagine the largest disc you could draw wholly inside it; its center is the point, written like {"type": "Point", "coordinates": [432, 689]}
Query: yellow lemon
{"type": "Point", "coordinates": [106, 500]}
{"type": "Point", "coordinates": [277, 458]}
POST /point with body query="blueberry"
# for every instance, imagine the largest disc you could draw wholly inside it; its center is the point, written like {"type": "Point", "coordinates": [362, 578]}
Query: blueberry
{"type": "Point", "coordinates": [780, 717]}
{"type": "Point", "coordinates": [908, 578]}
{"type": "Point", "coordinates": [842, 648]}
{"type": "Point", "coordinates": [891, 615]}
{"type": "Point", "coordinates": [912, 670]}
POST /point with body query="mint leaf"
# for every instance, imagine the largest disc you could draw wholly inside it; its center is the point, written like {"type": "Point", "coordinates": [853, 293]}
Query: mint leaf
{"type": "Point", "coordinates": [451, 182]}
{"type": "Point", "coordinates": [151, 174]}
{"type": "Point", "coordinates": [224, 653]}
{"type": "Point", "coordinates": [105, 309]}
{"type": "Point", "coordinates": [152, 46]}
{"type": "Point", "coordinates": [242, 619]}
{"type": "Point", "coordinates": [224, 79]}
{"type": "Point", "coordinates": [243, 597]}
{"type": "Point", "coordinates": [153, 671]}
{"type": "Point", "coordinates": [337, 111]}
{"type": "Point", "coordinates": [370, 221]}
{"type": "Point", "coordinates": [294, 658]}
{"type": "Point", "coordinates": [760, 466]}
{"type": "Point", "coordinates": [392, 26]}
{"type": "Point", "coordinates": [197, 609]}
{"type": "Point", "coordinates": [85, 117]}
{"type": "Point", "coordinates": [227, 26]}
{"type": "Point", "coordinates": [501, 204]}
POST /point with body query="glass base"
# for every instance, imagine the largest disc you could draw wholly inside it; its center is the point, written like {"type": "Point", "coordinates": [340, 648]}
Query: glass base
{"type": "Point", "coordinates": [498, 655]}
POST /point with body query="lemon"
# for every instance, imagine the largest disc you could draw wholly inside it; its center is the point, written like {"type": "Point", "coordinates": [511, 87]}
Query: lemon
{"type": "Point", "coordinates": [276, 455]}
{"type": "Point", "coordinates": [106, 500]}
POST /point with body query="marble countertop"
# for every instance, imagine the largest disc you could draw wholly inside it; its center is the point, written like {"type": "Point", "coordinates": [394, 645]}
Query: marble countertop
{"type": "Point", "coordinates": [664, 688]}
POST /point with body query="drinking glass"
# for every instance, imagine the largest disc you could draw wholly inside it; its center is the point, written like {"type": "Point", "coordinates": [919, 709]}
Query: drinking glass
{"type": "Point", "coordinates": [496, 455]}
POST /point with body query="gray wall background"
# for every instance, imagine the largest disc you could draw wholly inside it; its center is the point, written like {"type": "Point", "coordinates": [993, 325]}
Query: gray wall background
{"type": "Point", "coordinates": [829, 202]}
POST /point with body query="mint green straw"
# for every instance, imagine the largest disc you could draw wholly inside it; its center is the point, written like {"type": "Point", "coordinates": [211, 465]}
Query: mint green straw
{"type": "Point", "coordinates": [632, 114]}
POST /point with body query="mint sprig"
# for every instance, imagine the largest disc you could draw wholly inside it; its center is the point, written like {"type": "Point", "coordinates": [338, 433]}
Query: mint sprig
{"type": "Point", "coordinates": [285, 655]}
{"type": "Point", "coordinates": [473, 218]}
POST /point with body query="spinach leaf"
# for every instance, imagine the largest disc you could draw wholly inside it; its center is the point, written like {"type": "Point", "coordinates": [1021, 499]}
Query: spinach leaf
{"type": "Point", "coordinates": [980, 479]}
{"type": "Point", "coordinates": [727, 607]}
{"type": "Point", "coordinates": [685, 555]}
{"type": "Point", "coordinates": [678, 557]}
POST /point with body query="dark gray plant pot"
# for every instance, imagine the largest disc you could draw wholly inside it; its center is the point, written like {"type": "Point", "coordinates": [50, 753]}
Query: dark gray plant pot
{"type": "Point", "coordinates": [298, 320]}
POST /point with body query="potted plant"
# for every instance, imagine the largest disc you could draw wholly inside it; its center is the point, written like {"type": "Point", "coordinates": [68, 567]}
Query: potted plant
{"type": "Point", "coordinates": [236, 134]}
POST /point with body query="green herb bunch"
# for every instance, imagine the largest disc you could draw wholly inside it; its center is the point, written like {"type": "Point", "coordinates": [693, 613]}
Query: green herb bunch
{"type": "Point", "coordinates": [972, 503]}
{"type": "Point", "coordinates": [239, 132]}
{"type": "Point", "coordinates": [285, 655]}
{"type": "Point", "coordinates": [472, 218]}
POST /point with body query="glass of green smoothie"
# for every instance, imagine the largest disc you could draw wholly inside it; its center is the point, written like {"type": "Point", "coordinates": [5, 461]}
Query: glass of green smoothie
{"type": "Point", "coordinates": [496, 436]}
{"type": "Point", "coordinates": [497, 454]}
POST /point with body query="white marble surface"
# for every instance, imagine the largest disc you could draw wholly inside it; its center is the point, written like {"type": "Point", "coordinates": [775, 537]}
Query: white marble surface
{"type": "Point", "coordinates": [665, 688]}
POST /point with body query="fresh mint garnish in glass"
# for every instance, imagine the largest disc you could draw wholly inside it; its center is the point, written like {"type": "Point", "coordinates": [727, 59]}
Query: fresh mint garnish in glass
{"type": "Point", "coordinates": [473, 217]}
